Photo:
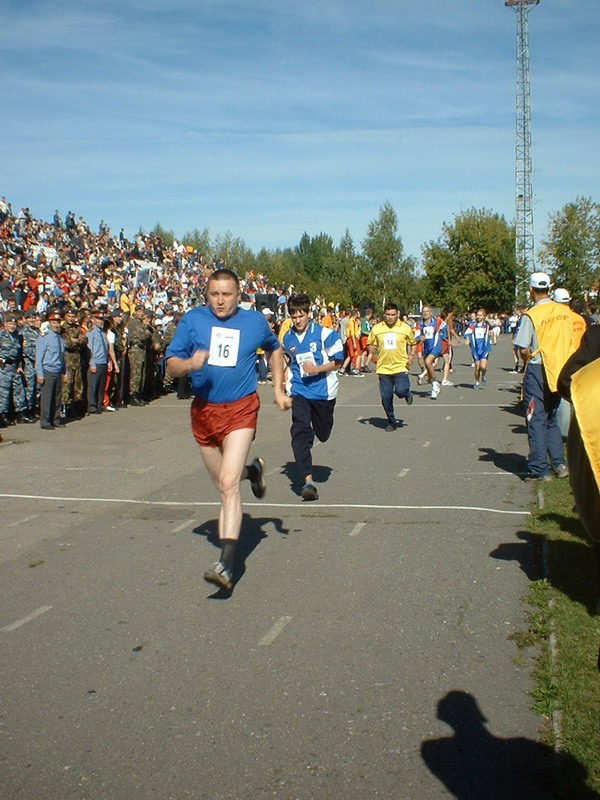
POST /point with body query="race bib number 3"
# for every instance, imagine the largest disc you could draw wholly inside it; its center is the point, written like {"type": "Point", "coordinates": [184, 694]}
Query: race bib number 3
{"type": "Point", "coordinates": [224, 347]}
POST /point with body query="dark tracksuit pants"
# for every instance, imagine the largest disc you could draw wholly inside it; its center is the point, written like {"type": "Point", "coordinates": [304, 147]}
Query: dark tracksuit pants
{"type": "Point", "coordinates": [390, 385]}
{"type": "Point", "coordinates": [310, 418]}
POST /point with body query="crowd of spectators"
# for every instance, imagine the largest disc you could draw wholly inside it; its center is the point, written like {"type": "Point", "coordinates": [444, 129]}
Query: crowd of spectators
{"type": "Point", "coordinates": [62, 263]}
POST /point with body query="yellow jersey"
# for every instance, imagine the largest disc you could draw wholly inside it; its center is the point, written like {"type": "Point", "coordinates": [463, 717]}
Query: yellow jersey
{"type": "Point", "coordinates": [392, 346]}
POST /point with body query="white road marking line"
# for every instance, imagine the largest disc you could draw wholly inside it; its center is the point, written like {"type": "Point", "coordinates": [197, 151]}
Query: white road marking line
{"type": "Point", "coordinates": [417, 404]}
{"type": "Point", "coordinates": [21, 521]}
{"type": "Point", "coordinates": [38, 612]}
{"type": "Point", "coordinates": [404, 472]}
{"type": "Point", "coordinates": [357, 529]}
{"type": "Point", "coordinates": [507, 474]}
{"type": "Point", "coordinates": [183, 525]}
{"type": "Point", "coordinates": [277, 628]}
{"type": "Point", "coordinates": [290, 506]}
{"type": "Point", "coordinates": [132, 471]}
{"type": "Point", "coordinates": [426, 444]}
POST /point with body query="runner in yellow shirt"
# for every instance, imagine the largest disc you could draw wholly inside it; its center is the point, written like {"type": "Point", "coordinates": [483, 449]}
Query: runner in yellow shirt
{"type": "Point", "coordinates": [395, 344]}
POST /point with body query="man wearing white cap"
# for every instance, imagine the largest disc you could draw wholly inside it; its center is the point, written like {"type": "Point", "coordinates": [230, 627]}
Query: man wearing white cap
{"type": "Point", "coordinates": [548, 334]}
{"type": "Point", "coordinates": [561, 296]}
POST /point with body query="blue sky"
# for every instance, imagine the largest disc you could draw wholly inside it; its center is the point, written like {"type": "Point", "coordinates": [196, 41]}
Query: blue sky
{"type": "Point", "coordinates": [269, 118]}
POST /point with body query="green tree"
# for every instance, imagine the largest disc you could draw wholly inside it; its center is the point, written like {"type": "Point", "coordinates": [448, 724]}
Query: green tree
{"type": "Point", "coordinates": [342, 273]}
{"type": "Point", "coordinates": [571, 249]}
{"type": "Point", "coordinates": [200, 241]}
{"type": "Point", "coordinates": [472, 264]}
{"type": "Point", "coordinates": [316, 255]}
{"type": "Point", "coordinates": [234, 253]}
{"type": "Point", "coordinates": [386, 274]}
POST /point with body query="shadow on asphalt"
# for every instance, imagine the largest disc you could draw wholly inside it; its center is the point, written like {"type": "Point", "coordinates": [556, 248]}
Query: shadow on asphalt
{"type": "Point", "coordinates": [518, 429]}
{"type": "Point", "coordinates": [320, 475]}
{"type": "Point", "coordinates": [516, 409]}
{"type": "Point", "coordinates": [584, 590]}
{"type": "Point", "coordinates": [516, 389]}
{"type": "Point", "coordinates": [514, 463]}
{"type": "Point", "coordinates": [527, 552]}
{"type": "Point", "coordinates": [251, 536]}
{"type": "Point", "coordinates": [475, 765]}
{"type": "Point", "coordinates": [380, 422]}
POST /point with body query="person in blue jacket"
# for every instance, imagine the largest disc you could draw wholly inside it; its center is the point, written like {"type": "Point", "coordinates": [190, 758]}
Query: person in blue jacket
{"type": "Point", "coordinates": [315, 354]}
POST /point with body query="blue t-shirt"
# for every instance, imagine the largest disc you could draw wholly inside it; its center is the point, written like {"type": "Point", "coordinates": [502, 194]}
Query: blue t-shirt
{"type": "Point", "coordinates": [318, 345]}
{"type": "Point", "coordinates": [229, 373]}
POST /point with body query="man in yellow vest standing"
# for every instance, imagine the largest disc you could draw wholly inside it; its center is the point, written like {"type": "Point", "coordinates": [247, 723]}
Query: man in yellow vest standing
{"type": "Point", "coordinates": [549, 333]}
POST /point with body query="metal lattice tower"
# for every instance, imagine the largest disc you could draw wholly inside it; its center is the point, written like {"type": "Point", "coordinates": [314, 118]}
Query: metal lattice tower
{"type": "Point", "coordinates": [524, 210]}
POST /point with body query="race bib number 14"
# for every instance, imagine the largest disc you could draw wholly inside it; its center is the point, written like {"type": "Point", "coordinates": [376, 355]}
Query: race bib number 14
{"type": "Point", "coordinates": [224, 347]}
{"type": "Point", "coordinates": [389, 341]}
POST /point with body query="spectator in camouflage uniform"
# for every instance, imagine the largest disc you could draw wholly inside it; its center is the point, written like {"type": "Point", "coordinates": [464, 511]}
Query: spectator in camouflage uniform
{"type": "Point", "coordinates": [29, 326]}
{"type": "Point", "coordinates": [138, 341]}
{"type": "Point", "coordinates": [118, 326]}
{"type": "Point", "coordinates": [168, 333]}
{"type": "Point", "coordinates": [75, 343]}
{"type": "Point", "coordinates": [153, 353]}
{"type": "Point", "coordinates": [11, 372]}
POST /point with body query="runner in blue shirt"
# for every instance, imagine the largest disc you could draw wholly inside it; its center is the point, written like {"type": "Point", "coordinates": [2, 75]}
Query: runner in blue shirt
{"type": "Point", "coordinates": [315, 355]}
{"type": "Point", "coordinates": [477, 336]}
{"type": "Point", "coordinates": [430, 331]}
{"type": "Point", "coordinates": [217, 345]}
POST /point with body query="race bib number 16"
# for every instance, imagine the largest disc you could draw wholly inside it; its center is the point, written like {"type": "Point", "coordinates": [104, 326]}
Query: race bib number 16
{"type": "Point", "coordinates": [224, 347]}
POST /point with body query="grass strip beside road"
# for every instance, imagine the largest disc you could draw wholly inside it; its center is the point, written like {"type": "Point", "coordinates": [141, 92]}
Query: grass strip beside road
{"type": "Point", "coordinates": [565, 627]}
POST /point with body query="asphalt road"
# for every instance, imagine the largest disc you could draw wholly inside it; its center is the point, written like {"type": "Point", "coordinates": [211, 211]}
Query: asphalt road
{"type": "Point", "coordinates": [363, 654]}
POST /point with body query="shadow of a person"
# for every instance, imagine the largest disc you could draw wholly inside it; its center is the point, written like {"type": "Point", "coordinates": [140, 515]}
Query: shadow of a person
{"type": "Point", "coordinates": [568, 524]}
{"type": "Point", "coordinates": [528, 553]}
{"type": "Point", "coordinates": [320, 475]}
{"type": "Point", "coordinates": [251, 536]}
{"type": "Point", "coordinates": [475, 765]}
{"type": "Point", "coordinates": [516, 409]}
{"type": "Point", "coordinates": [380, 422]}
{"type": "Point", "coordinates": [514, 463]}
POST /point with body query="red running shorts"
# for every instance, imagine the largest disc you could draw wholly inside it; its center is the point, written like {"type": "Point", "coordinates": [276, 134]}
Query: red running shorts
{"type": "Point", "coordinates": [211, 422]}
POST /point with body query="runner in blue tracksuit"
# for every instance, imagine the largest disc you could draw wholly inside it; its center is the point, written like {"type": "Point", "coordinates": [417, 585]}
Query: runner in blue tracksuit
{"type": "Point", "coordinates": [430, 332]}
{"type": "Point", "coordinates": [315, 354]}
{"type": "Point", "coordinates": [477, 336]}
